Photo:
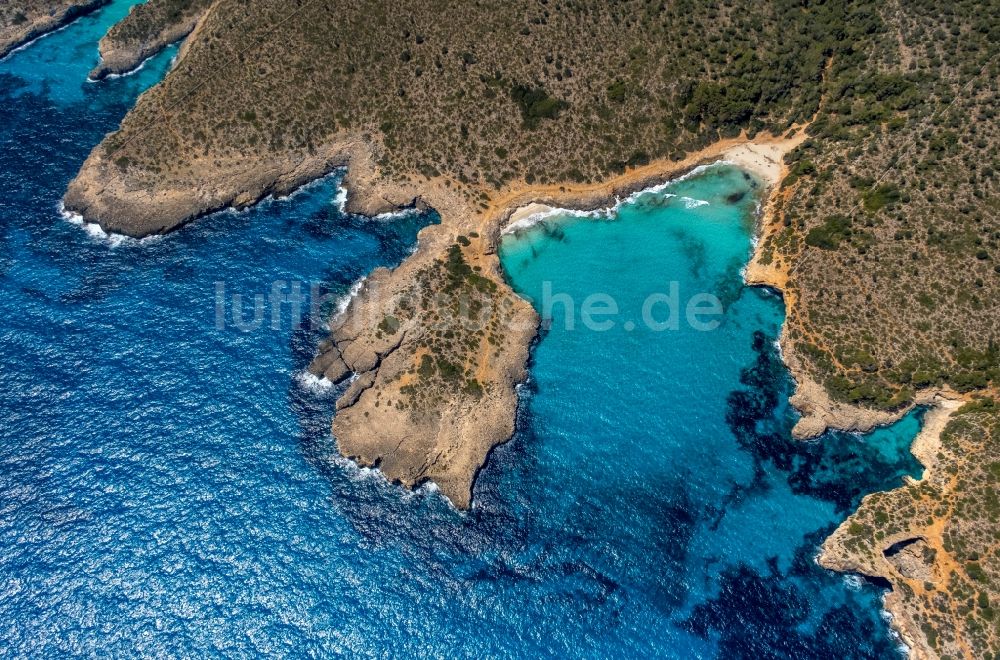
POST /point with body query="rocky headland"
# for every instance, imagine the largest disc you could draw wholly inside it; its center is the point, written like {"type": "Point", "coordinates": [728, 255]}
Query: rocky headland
{"type": "Point", "coordinates": [23, 21]}
{"type": "Point", "coordinates": [934, 540]}
{"type": "Point", "coordinates": [149, 28]}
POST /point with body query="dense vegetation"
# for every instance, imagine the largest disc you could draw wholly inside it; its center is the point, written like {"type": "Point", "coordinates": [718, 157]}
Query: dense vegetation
{"type": "Point", "coordinates": [891, 217]}
{"type": "Point", "coordinates": [447, 88]}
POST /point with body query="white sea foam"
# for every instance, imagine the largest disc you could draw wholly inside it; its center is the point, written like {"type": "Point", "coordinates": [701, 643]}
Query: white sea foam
{"type": "Point", "coordinates": [853, 582]}
{"type": "Point", "coordinates": [96, 232]}
{"type": "Point", "coordinates": [141, 65]}
{"type": "Point", "coordinates": [358, 473]}
{"type": "Point", "coordinates": [372, 475]}
{"type": "Point", "coordinates": [272, 198]}
{"type": "Point", "coordinates": [659, 188]}
{"type": "Point", "coordinates": [37, 39]}
{"type": "Point", "coordinates": [345, 300]}
{"type": "Point", "coordinates": [533, 219]}
{"type": "Point", "coordinates": [755, 238]}
{"type": "Point", "coordinates": [691, 203]}
{"type": "Point", "coordinates": [340, 199]}
{"type": "Point", "coordinates": [313, 383]}
{"type": "Point", "coordinates": [308, 186]}
{"type": "Point", "coordinates": [112, 76]}
{"type": "Point", "coordinates": [395, 215]}
{"type": "Point", "coordinates": [69, 216]}
{"type": "Point", "coordinates": [340, 202]}
{"type": "Point", "coordinates": [637, 197]}
{"type": "Point", "coordinates": [431, 489]}
{"type": "Point", "coordinates": [901, 646]}
{"type": "Point", "coordinates": [555, 212]}
{"type": "Point", "coordinates": [361, 473]}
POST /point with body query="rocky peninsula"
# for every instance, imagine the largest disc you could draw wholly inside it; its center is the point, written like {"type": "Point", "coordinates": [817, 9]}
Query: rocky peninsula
{"type": "Point", "coordinates": [442, 403]}
{"type": "Point", "coordinates": [149, 28]}
{"type": "Point", "coordinates": [22, 21]}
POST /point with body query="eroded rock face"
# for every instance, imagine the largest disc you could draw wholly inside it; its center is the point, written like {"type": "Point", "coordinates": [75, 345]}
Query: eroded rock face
{"type": "Point", "coordinates": [820, 412]}
{"type": "Point", "coordinates": [329, 364]}
{"type": "Point", "coordinates": [913, 558]}
{"type": "Point", "coordinates": [106, 191]}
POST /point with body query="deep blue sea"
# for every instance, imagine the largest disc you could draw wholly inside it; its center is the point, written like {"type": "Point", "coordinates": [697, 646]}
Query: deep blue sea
{"type": "Point", "coordinates": [169, 486]}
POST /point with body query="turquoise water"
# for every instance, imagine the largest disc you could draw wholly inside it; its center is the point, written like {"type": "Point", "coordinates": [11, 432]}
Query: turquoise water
{"type": "Point", "coordinates": [676, 441]}
{"type": "Point", "coordinates": [168, 484]}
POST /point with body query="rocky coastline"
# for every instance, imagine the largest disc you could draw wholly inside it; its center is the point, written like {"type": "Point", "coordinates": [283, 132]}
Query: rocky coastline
{"type": "Point", "coordinates": [449, 444]}
{"type": "Point", "coordinates": [122, 53]}
{"type": "Point", "coordinates": [411, 448]}
{"type": "Point", "coordinates": [103, 194]}
{"type": "Point", "coordinates": [448, 440]}
{"type": "Point", "coordinates": [908, 558]}
{"type": "Point", "coordinates": [819, 413]}
{"type": "Point", "coordinates": [22, 32]}
{"type": "Point", "coordinates": [119, 59]}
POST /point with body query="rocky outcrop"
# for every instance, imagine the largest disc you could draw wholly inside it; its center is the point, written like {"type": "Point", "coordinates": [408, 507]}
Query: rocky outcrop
{"type": "Point", "coordinates": [907, 549]}
{"type": "Point", "coordinates": [912, 558]}
{"type": "Point", "coordinates": [123, 202]}
{"type": "Point", "coordinates": [329, 363]}
{"type": "Point", "coordinates": [149, 28]}
{"type": "Point", "coordinates": [399, 413]}
{"type": "Point", "coordinates": [23, 22]}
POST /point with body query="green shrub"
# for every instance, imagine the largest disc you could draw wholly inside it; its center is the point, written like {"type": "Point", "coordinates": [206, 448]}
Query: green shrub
{"type": "Point", "coordinates": [874, 199]}
{"type": "Point", "coordinates": [617, 91]}
{"type": "Point", "coordinates": [829, 235]}
{"type": "Point", "coordinates": [536, 104]}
